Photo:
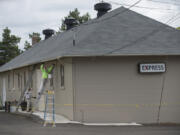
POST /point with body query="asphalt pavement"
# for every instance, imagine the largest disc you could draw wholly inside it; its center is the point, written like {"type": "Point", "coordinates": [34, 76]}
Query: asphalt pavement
{"type": "Point", "coordinates": [11, 124]}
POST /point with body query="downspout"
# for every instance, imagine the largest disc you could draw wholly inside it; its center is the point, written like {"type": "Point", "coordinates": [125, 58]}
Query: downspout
{"type": "Point", "coordinates": [162, 92]}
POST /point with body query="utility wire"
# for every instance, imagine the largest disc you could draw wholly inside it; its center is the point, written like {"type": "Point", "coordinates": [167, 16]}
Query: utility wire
{"type": "Point", "coordinates": [150, 8]}
{"type": "Point", "coordinates": [163, 2]}
{"type": "Point", "coordinates": [140, 39]}
{"type": "Point", "coordinates": [172, 19]}
{"type": "Point", "coordinates": [74, 30]}
{"type": "Point", "coordinates": [107, 18]}
{"type": "Point", "coordinates": [175, 19]}
{"type": "Point", "coordinates": [136, 41]}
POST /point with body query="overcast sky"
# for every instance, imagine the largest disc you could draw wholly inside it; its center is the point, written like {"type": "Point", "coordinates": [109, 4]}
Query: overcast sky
{"type": "Point", "coordinates": [27, 16]}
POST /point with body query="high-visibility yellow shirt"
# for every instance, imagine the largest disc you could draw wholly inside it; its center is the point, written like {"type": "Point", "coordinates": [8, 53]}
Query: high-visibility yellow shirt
{"type": "Point", "coordinates": [45, 72]}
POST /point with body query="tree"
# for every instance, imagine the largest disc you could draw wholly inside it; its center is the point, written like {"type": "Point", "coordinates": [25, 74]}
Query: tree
{"type": "Point", "coordinates": [76, 15]}
{"type": "Point", "coordinates": [9, 45]}
{"type": "Point", "coordinates": [27, 45]}
{"type": "Point", "coordinates": [35, 35]}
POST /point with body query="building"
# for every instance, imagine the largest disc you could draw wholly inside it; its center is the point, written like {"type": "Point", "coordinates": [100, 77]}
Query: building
{"type": "Point", "coordinates": [119, 67]}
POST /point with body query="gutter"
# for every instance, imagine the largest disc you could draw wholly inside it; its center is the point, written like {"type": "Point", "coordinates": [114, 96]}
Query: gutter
{"type": "Point", "coordinates": [75, 56]}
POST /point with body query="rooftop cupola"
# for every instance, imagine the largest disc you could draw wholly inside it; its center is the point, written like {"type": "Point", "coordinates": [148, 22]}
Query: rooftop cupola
{"type": "Point", "coordinates": [48, 33]}
{"type": "Point", "coordinates": [70, 22]}
{"type": "Point", "coordinates": [102, 8]}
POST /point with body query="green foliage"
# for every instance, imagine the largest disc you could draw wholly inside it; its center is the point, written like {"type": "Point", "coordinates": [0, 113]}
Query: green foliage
{"type": "Point", "coordinates": [178, 28]}
{"type": "Point", "coordinates": [9, 45]}
{"type": "Point", "coordinates": [75, 14]}
{"type": "Point", "coordinates": [35, 34]}
{"type": "Point", "coordinates": [27, 45]}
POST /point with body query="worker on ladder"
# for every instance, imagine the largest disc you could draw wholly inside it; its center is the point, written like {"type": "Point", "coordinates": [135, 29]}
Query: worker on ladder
{"type": "Point", "coordinates": [45, 72]}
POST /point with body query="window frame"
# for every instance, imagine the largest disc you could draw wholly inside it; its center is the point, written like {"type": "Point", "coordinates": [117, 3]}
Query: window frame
{"type": "Point", "coordinates": [19, 79]}
{"type": "Point", "coordinates": [62, 75]}
{"type": "Point", "coordinates": [9, 81]}
{"type": "Point", "coordinates": [13, 77]}
{"type": "Point", "coordinates": [25, 80]}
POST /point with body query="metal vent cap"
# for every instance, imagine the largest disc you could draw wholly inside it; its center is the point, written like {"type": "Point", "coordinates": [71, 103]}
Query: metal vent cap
{"type": "Point", "coordinates": [48, 33]}
{"type": "Point", "coordinates": [103, 6]}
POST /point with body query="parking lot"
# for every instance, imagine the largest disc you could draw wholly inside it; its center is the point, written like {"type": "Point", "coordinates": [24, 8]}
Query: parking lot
{"type": "Point", "coordinates": [11, 124]}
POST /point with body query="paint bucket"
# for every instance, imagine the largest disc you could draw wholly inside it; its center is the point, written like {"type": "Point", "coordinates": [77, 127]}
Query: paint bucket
{"type": "Point", "coordinates": [13, 109]}
{"type": "Point", "coordinates": [23, 106]}
{"type": "Point", "coordinates": [49, 76]}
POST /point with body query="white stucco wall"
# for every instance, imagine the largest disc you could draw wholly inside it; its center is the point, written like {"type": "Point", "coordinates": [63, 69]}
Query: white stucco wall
{"type": "Point", "coordinates": [111, 89]}
{"type": "Point", "coordinates": [64, 96]}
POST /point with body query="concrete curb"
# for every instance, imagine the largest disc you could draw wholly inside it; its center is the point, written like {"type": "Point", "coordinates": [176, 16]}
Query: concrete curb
{"type": "Point", "coordinates": [162, 124]}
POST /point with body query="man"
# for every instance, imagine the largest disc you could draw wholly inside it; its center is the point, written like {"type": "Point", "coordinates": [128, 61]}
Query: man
{"type": "Point", "coordinates": [28, 96]}
{"type": "Point", "coordinates": [45, 72]}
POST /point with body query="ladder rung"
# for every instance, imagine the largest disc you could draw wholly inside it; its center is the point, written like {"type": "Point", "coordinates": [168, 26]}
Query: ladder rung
{"type": "Point", "coordinates": [49, 115]}
{"type": "Point", "coordinates": [50, 103]}
{"type": "Point", "coordinates": [49, 111]}
{"type": "Point", "coordinates": [49, 121]}
{"type": "Point", "coordinates": [50, 100]}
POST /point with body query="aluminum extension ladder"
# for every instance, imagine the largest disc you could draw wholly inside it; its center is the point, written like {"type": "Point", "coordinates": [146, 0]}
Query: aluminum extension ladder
{"type": "Point", "coordinates": [26, 86]}
{"type": "Point", "coordinates": [41, 89]}
{"type": "Point", "coordinates": [49, 112]}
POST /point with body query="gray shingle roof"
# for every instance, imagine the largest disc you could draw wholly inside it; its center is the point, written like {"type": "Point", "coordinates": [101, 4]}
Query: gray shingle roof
{"type": "Point", "coordinates": [119, 32]}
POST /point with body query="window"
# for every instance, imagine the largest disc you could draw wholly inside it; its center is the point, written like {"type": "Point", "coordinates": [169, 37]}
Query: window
{"type": "Point", "coordinates": [18, 80]}
{"type": "Point", "coordinates": [28, 77]}
{"type": "Point", "coordinates": [24, 78]}
{"type": "Point", "coordinates": [13, 80]}
{"type": "Point", "coordinates": [62, 75]}
{"type": "Point", "coordinates": [8, 81]}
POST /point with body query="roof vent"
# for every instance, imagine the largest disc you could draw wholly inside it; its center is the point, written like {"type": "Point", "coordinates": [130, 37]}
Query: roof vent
{"type": "Point", "coordinates": [102, 8]}
{"type": "Point", "coordinates": [48, 33]}
{"type": "Point", "coordinates": [70, 22]}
